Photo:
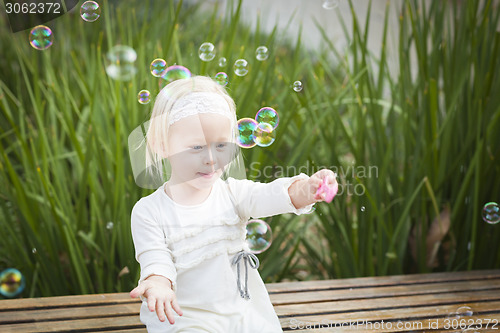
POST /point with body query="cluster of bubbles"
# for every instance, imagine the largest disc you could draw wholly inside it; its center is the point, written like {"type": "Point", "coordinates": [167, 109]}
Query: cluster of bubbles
{"type": "Point", "coordinates": [206, 52]}
{"type": "Point", "coordinates": [90, 11]}
{"type": "Point", "coordinates": [120, 63]}
{"type": "Point", "coordinates": [41, 37]}
{"type": "Point", "coordinates": [12, 282]}
{"type": "Point", "coordinates": [330, 4]}
{"type": "Point", "coordinates": [144, 96]}
{"type": "Point", "coordinates": [259, 131]}
{"type": "Point", "coordinates": [491, 213]}
{"type": "Point", "coordinates": [159, 69]}
{"type": "Point", "coordinates": [259, 236]}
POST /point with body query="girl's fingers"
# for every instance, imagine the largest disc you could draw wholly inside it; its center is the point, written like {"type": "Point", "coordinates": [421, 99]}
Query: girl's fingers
{"type": "Point", "coordinates": [160, 310]}
{"type": "Point", "coordinates": [136, 291]}
{"type": "Point", "coordinates": [176, 307]}
{"type": "Point", "coordinates": [151, 303]}
{"type": "Point", "coordinates": [170, 313]}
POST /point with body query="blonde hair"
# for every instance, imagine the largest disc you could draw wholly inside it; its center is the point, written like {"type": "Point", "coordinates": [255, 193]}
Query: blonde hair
{"type": "Point", "coordinates": [157, 133]}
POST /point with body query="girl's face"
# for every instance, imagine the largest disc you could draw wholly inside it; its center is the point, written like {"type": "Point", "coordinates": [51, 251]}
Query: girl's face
{"type": "Point", "coordinates": [199, 149]}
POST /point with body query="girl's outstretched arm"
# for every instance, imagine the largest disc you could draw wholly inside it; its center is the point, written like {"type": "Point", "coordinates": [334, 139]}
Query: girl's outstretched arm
{"type": "Point", "coordinates": [303, 191]}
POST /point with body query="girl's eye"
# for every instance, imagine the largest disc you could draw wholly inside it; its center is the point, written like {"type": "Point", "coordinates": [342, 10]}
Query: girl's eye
{"type": "Point", "coordinates": [197, 147]}
{"type": "Point", "coordinates": [221, 145]}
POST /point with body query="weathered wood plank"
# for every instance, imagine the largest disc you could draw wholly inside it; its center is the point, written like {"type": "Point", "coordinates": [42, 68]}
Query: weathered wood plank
{"type": "Point", "coordinates": [70, 300]}
{"type": "Point", "coordinates": [461, 298]}
{"type": "Point", "coordinates": [383, 291]}
{"type": "Point", "coordinates": [63, 313]}
{"type": "Point", "coordinates": [117, 323]}
{"type": "Point", "coordinates": [382, 281]}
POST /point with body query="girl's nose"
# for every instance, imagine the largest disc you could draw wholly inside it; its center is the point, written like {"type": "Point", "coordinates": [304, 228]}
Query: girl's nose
{"type": "Point", "coordinates": [209, 156]}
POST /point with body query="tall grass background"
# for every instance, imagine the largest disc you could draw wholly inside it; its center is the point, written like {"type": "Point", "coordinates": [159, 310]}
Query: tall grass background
{"type": "Point", "coordinates": [431, 135]}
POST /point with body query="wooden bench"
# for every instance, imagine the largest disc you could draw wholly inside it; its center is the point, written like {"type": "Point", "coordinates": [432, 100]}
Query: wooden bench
{"type": "Point", "coordinates": [399, 303]}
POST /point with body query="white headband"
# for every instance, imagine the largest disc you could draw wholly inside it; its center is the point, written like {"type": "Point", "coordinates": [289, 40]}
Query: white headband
{"type": "Point", "coordinates": [200, 102]}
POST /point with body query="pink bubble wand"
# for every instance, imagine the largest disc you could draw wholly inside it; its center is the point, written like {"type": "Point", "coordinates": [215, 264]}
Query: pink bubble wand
{"type": "Point", "coordinates": [329, 192]}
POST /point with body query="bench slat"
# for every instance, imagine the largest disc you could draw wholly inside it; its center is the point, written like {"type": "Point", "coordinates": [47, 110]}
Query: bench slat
{"type": "Point", "coordinates": [96, 312]}
{"type": "Point", "coordinates": [66, 301]}
{"type": "Point", "coordinates": [76, 325]}
{"type": "Point", "coordinates": [374, 281]}
{"type": "Point", "coordinates": [388, 302]}
{"type": "Point", "coordinates": [377, 292]}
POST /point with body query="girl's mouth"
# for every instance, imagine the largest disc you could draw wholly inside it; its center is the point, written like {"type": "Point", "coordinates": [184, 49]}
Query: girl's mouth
{"type": "Point", "coordinates": [206, 175]}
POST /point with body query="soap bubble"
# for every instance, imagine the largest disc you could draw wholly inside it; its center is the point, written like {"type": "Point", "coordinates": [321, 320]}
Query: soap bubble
{"type": "Point", "coordinates": [297, 86]}
{"type": "Point", "coordinates": [222, 62]}
{"type": "Point", "coordinates": [175, 72]}
{"type": "Point", "coordinates": [221, 78]}
{"type": "Point", "coordinates": [33, 250]}
{"type": "Point", "coordinates": [109, 225]}
{"type": "Point", "coordinates": [363, 208]}
{"type": "Point", "coordinates": [491, 213]}
{"type": "Point", "coordinates": [11, 282]}
{"type": "Point", "coordinates": [241, 67]}
{"type": "Point", "coordinates": [267, 115]}
{"type": "Point", "coordinates": [264, 135]}
{"type": "Point", "coordinates": [90, 11]}
{"type": "Point", "coordinates": [246, 128]}
{"type": "Point", "coordinates": [330, 4]}
{"type": "Point", "coordinates": [206, 51]}
{"type": "Point", "coordinates": [261, 53]}
{"type": "Point", "coordinates": [158, 67]}
{"type": "Point", "coordinates": [144, 97]}
{"type": "Point", "coordinates": [465, 311]}
{"type": "Point", "coordinates": [259, 236]}
{"type": "Point", "coordinates": [41, 37]}
{"type": "Point", "coordinates": [120, 62]}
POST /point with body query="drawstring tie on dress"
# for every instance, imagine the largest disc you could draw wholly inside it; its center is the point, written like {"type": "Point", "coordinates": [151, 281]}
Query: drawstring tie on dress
{"type": "Point", "coordinates": [249, 258]}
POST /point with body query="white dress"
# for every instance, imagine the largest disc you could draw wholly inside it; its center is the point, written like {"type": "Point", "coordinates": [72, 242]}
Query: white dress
{"type": "Point", "coordinates": [194, 246]}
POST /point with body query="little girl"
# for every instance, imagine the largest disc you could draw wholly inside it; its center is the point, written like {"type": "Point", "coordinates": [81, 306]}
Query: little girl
{"type": "Point", "coordinates": [189, 235]}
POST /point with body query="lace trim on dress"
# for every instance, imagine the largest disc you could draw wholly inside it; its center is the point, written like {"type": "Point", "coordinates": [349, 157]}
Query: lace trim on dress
{"type": "Point", "coordinates": [209, 255]}
{"type": "Point", "coordinates": [197, 230]}
{"type": "Point", "coordinates": [231, 235]}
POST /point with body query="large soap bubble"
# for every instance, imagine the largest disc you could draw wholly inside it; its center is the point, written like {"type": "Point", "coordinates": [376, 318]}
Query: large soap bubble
{"type": "Point", "coordinates": [259, 236]}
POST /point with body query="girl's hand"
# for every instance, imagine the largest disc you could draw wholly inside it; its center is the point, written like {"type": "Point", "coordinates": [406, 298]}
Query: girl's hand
{"type": "Point", "coordinates": [158, 291]}
{"type": "Point", "coordinates": [317, 179]}
{"type": "Point", "coordinates": [303, 192]}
